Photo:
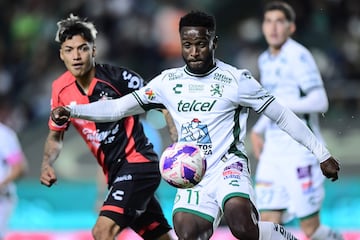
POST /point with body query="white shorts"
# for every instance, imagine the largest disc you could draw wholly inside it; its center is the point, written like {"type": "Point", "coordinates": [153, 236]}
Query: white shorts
{"type": "Point", "coordinates": [7, 205]}
{"type": "Point", "coordinates": [231, 178]}
{"type": "Point", "coordinates": [289, 180]}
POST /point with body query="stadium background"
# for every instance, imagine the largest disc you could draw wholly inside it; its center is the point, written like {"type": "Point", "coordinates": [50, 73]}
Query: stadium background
{"type": "Point", "coordinates": [143, 35]}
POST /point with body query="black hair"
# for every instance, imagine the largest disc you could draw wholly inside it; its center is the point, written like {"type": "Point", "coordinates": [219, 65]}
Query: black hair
{"type": "Point", "coordinates": [283, 7]}
{"type": "Point", "coordinates": [72, 26]}
{"type": "Point", "coordinates": [198, 19]}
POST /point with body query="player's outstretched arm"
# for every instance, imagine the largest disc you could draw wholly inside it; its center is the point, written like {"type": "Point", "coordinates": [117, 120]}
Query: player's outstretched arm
{"type": "Point", "coordinates": [100, 111]}
{"type": "Point", "coordinates": [291, 124]}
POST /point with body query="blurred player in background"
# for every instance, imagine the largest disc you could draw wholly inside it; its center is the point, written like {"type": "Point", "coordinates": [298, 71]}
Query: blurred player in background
{"type": "Point", "coordinates": [13, 165]}
{"type": "Point", "coordinates": [121, 148]}
{"type": "Point", "coordinates": [289, 182]}
{"type": "Point", "coordinates": [219, 97]}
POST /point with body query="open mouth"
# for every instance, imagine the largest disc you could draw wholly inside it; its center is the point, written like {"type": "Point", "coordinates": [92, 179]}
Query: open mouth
{"type": "Point", "coordinates": [77, 65]}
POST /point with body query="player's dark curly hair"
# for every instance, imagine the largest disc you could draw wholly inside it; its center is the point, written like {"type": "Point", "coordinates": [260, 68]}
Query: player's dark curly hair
{"type": "Point", "coordinates": [283, 7]}
{"type": "Point", "coordinates": [198, 19]}
{"type": "Point", "coordinates": [73, 25]}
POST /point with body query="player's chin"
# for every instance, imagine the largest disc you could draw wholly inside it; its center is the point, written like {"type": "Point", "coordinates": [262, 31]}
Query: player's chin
{"type": "Point", "coordinates": [196, 67]}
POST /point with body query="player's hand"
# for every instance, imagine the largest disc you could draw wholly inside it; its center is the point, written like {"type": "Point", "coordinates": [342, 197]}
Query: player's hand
{"type": "Point", "coordinates": [47, 177]}
{"type": "Point", "coordinates": [330, 168]}
{"type": "Point", "coordinates": [60, 115]}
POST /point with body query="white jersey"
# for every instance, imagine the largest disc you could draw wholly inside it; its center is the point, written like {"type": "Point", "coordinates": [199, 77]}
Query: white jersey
{"type": "Point", "coordinates": [10, 153]}
{"type": "Point", "coordinates": [289, 76]}
{"type": "Point", "coordinates": [209, 109]}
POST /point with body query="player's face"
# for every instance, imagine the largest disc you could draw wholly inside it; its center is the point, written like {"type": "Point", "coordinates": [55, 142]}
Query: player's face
{"type": "Point", "coordinates": [198, 47]}
{"type": "Point", "coordinates": [276, 28]}
{"type": "Point", "coordinates": [78, 56]}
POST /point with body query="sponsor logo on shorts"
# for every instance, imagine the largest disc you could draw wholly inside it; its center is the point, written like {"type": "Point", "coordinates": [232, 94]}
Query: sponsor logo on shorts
{"type": "Point", "coordinates": [122, 178]}
{"type": "Point", "coordinates": [233, 171]}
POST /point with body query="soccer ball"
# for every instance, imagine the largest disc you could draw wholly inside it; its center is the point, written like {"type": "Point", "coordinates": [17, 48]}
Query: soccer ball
{"type": "Point", "coordinates": [182, 165]}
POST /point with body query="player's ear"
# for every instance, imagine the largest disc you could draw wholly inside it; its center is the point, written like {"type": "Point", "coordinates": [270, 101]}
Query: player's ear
{"type": "Point", "coordinates": [292, 28]}
{"type": "Point", "coordinates": [61, 55]}
{"type": "Point", "coordinates": [215, 42]}
{"type": "Point", "coordinates": [94, 51]}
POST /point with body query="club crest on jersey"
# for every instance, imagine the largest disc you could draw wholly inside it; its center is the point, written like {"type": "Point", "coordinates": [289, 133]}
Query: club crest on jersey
{"type": "Point", "coordinates": [217, 90]}
{"type": "Point", "coordinates": [104, 96]}
{"type": "Point", "coordinates": [149, 93]}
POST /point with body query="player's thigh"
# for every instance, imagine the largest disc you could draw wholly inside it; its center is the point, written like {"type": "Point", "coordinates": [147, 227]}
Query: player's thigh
{"type": "Point", "coordinates": [152, 223]}
{"type": "Point", "coordinates": [131, 193]}
{"type": "Point", "coordinates": [241, 216]}
{"type": "Point", "coordinates": [270, 189]}
{"type": "Point", "coordinates": [305, 189]}
{"type": "Point", "coordinates": [191, 226]}
{"type": "Point", "coordinates": [197, 202]}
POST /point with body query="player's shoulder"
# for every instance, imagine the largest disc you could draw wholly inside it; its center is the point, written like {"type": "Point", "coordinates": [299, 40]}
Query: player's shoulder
{"type": "Point", "coordinates": [236, 73]}
{"type": "Point", "coordinates": [295, 50]}
{"type": "Point", "coordinates": [263, 57]}
{"type": "Point", "coordinates": [106, 71]}
{"type": "Point", "coordinates": [63, 80]}
{"type": "Point", "coordinates": [6, 131]}
{"type": "Point", "coordinates": [173, 70]}
{"type": "Point", "coordinates": [171, 74]}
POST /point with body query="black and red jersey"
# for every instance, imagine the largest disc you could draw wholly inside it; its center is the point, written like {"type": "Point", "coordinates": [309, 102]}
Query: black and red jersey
{"type": "Point", "coordinates": [114, 142]}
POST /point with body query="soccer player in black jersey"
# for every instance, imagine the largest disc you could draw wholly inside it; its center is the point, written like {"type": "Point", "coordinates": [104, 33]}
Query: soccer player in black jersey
{"type": "Point", "coordinates": [121, 148]}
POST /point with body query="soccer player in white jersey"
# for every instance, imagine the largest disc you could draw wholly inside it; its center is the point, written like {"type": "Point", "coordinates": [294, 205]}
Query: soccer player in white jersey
{"type": "Point", "coordinates": [289, 182]}
{"type": "Point", "coordinates": [13, 165]}
{"type": "Point", "coordinates": [215, 97]}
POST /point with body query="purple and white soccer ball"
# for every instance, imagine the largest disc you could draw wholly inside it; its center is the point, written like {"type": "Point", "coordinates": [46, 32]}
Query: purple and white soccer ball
{"type": "Point", "coordinates": [182, 164]}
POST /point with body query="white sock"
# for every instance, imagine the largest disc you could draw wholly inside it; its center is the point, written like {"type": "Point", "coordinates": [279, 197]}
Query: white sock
{"type": "Point", "coordinates": [325, 233]}
{"type": "Point", "coordinates": [274, 231]}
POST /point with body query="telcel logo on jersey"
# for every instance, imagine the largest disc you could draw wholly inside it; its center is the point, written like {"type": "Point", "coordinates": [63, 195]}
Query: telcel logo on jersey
{"type": "Point", "coordinates": [195, 106]}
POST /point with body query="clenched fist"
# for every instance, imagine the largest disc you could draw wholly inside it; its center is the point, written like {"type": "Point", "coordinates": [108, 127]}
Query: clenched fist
{"type": "Point", "coordinates": [60, 115]}
{"type": "Point", "coordinates": [330, 168]}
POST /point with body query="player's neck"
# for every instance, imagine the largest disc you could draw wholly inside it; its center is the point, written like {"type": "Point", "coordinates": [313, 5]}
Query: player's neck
{"type": "Point", "coordinates": [85, 80]}
{"type": "Point", "coordinates": [274, 51]}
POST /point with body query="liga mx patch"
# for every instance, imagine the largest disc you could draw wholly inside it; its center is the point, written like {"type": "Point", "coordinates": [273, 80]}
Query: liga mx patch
{"type": "Point", "coordinates": [233, 171]}
{"type": "Point", "coordinates": [149, 93]}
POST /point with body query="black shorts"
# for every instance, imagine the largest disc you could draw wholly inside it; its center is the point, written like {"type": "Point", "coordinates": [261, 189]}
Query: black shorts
{"type": "Point", "coordinates": [130, 201]}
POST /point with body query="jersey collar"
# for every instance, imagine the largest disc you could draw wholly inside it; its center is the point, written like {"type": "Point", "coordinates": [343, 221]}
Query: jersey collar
{"type": "Point", "coordinates": [201, 74]}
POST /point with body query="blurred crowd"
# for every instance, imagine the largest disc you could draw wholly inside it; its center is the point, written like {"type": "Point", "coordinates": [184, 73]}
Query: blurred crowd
{"type": "Point", "coordinates": [143, 35]}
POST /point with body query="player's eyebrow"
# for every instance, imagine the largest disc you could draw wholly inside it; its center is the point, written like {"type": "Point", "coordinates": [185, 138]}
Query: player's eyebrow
{"type": "Point", "coordinates": [80, 46]}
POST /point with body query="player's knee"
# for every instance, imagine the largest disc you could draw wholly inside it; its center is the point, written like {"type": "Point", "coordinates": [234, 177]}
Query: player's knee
{"type": "Point", "coordinates": [97, 232]}
{"type": "Point", "coordinates": [100, 232]}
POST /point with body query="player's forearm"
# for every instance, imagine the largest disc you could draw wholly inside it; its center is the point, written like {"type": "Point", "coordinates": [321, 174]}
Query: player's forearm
{"type": "Point", "coordinates": [315, 101]}
{"type": "Point", "coordinates": [107, 111]}
{"type": "Point", "coordinates": [171, 126]}
{"type": "Point", "coordinates": [52, 148]}
{"type": "Point", "coordinates": [291, 124]}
